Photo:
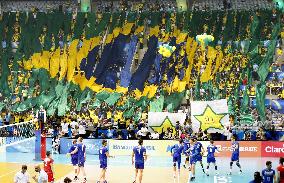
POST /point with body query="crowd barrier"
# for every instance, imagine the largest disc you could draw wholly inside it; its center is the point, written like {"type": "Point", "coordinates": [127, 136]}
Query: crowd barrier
{"type": "Point", "coordinates": [158, 147]}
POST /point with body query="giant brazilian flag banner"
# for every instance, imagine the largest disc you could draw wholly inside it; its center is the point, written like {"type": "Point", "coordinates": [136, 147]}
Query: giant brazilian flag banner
{"type": "Point", "coordinates": [210, 115]}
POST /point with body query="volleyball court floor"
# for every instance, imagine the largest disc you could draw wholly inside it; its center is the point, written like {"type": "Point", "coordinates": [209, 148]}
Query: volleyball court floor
{"type": "Point", "coordinates": [120, 170]}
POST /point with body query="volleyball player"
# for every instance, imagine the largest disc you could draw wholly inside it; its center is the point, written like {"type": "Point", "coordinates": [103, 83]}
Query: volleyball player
{"type": "Point", "coordinates": [138, 158]}
{"type": "Point", "coordinates": [81, 150]}
{"type": "Point", "coordinates": [74, 158]}
{"type": "Point", "coordinates": [176, 152]}
{"type": "Point", "coordinates": [211, 149]}
{"type": "Point", "coordinates": [235, 155]}
{"type": "Point", "coordinates": [48, 166]}
{"type": "Point", "coordinates": [103, 155]}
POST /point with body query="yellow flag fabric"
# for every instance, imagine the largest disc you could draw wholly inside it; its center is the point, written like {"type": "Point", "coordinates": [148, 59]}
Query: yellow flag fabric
{"type": "Point", "coordinates": [54, 63]}
{"type": "Point", "coordinates": [116, 32]}
{"type": "Point", "coordinates": [137, 94]}
{"type": "Point", "coordinates": [181, 37]}
{"type": "Point", "coordinates": [175, 84]}
{"type": "Point", "coordinates": [121, 89]}
{"type": "Point", "coordinates": [181, 86]}
{"type": "Point", "coordinates": [154, 31]}
{"type": "Point", "coordinates": [44, 60]}
{"type": "Point", "coordinates": [95, 87]}
{"type": "Point", "coordinates": [28, 64]}
{"type": "Point", "coordinates": [207, 72]}
{"type": "Point", "coordinates": [109, 38]}
{"type": "Point", "coordinates": [139, 30]}
{"type": "Point", "coordinates": [63, 66]}
{"type": "Point", "coordinates": [35, 60]}
{"type": "Point", "coordinates": [127, 28]}
{"type": "Point", "coordinates": [152, 91]}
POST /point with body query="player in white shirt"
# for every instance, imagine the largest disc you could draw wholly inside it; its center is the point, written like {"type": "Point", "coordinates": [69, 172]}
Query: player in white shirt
{"type": "Point", "coordinates": [22, 176]}
{"type": "Point", "coordinates": [42, 176]}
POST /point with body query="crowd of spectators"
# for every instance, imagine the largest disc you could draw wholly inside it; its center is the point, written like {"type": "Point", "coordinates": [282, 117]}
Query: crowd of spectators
{"type": "Point", "coordinates": [88, 122]}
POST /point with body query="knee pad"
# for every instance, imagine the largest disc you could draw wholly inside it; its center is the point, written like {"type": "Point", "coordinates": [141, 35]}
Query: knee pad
{"type": "Point", "coordinates": [175, 164]}
{"type": "Point", "coordinates": [187, 158]}
{"type": "Point", "coordinates": [231, 163]}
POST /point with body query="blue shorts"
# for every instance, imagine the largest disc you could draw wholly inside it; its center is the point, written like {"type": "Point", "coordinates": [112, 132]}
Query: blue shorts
{"type": "Point", "coordinates": [139, 165]}
{"type": "Point", "coordinates": [74, 161]}
{"type": "Point", "coordinates": [177, 160]}
{"type": "Point", "coordinates": [81, 163]}
{"type": "Point", "coordinates": [211, 160]}
{"type": "Point", "coordinates": [192, 160]}
{"type": "Point", "coordinates": [235, 157]}
{"type": "Point", "coordinates": [103, 164]}
{"type": "Point", "coordinates": [198, 157]}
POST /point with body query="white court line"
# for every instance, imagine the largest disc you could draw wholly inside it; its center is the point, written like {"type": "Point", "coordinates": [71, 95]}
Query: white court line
{"type": "Point", "coordinates": [8, 173]}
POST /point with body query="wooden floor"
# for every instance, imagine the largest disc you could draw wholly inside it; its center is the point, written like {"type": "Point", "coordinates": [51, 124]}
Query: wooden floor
{"type": "Point", "coordinates": [126, 175]}
{"type": "Point", "coordinates": [8, 171]}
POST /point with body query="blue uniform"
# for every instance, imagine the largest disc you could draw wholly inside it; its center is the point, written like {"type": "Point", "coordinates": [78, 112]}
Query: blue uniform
{"type": "Point", "coordinates": [193, 154]}
{"type": "Point", "coordinates": [177, 150]}
{"type": "Point", "coordinates": [198, 147]}
{"type": "Point", "coordinates": [236, 151]}
{"type": "Point", "coordinates": [268, 175]}
{"type": "Point", "coordinates": [81, 154]}
{"type": "Point", "coordinates": [186, 147]}
{"type": "Point", "coordinates": [103, 157]}
{"type": "Point", "coordinates": [211, 149]}
{"type": "Point", "coordinates": [139, 152]}
{"type": "Point", "coordinates": [74, 157]}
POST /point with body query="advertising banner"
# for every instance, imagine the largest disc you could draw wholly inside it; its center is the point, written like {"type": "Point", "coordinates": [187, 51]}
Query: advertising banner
{"type": "Point", "coordinates": [247, 149]}
{"type": "Point", "coordinates": [27, 146]}
{"type": "Point", "coordinates": [153, 147]}
{"type": "Point", "coordinates": [92, 145]}
{"type": "Point", "coordinates": [209, 115]}
{"type": "Point", "coordinates": [272, 149]}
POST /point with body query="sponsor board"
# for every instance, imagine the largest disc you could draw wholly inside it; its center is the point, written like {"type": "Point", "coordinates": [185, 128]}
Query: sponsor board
{"type": "Point", "coordinates": [153, 147]}
{"type": "Point", "coordinates": [247, 149]}
{"type": "Point", "coordinates": [272, 149]}
{"type": "Point", "coordinates": [92, 145]}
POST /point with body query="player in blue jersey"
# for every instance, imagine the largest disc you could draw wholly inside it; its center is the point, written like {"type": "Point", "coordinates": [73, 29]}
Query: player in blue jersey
{"type": "Point", "coordinates": [186, 146]}
{"type": "Point", "coordinates": [103, 155]}
{"type": "Point", "coordinates": [193, 153]}
{"type": "Point", "coordinates": [81, 150]}
{"type": "Point", "coordinates": [268, 174]}
{"type": "Point", "coordinates": [211, 149]}
{"type": "Point", "coordinates": [74, 158]}
{"type": "Point", "coordinates": [235, 148]}
{"type": "Point", "coordinates": [200, 151]}
{"type": "Point", "coordinates": [176, 152]}
{"type": "Point", "coordinates": [138, 158]}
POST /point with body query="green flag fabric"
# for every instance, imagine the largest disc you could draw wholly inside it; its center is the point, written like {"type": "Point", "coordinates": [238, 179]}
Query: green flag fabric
{"type": "Point", "coordinates": [157, 104]}
{"type": "Point", "coordinates": [260, 100]}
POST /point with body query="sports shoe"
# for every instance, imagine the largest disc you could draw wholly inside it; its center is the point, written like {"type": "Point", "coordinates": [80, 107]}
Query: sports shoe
{"type": "Point", "coordinates": [75, 178]}
{"type": "Point", "coordinates": [229, 173]}
{"type": "Point", "coordinates": [192, 178]}
{"type": "Point", "coordinates": [207, 174]}
{"type": "Point", "coordinates": [184, 166]}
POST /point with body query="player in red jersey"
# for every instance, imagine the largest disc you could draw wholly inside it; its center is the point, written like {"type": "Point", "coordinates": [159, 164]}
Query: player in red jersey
{"type": "Point", "coordinates": [280, 170]}
{"type": "Point", "coordinates": [48, 166]}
